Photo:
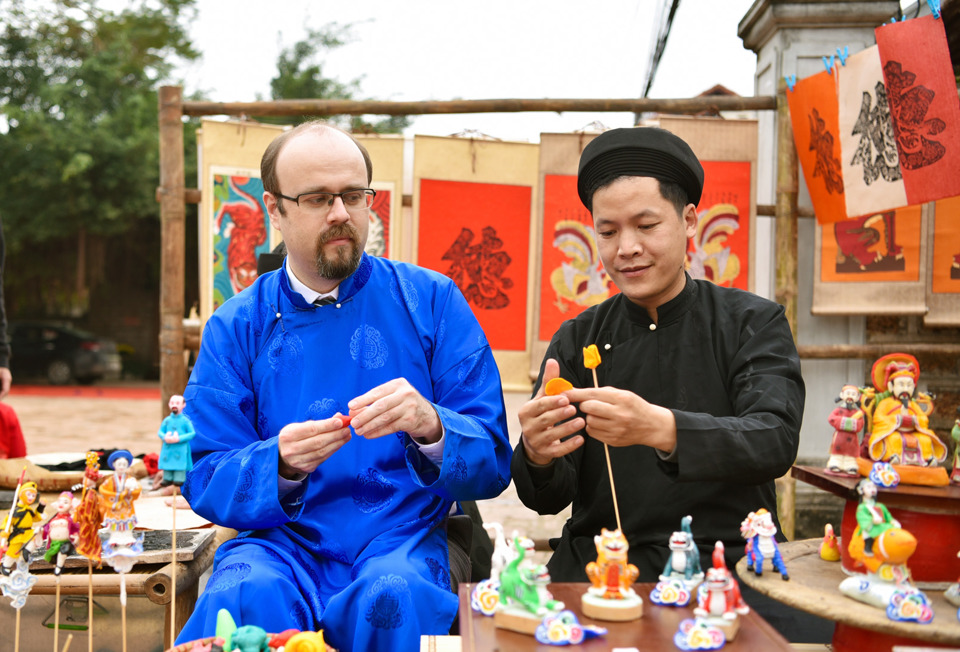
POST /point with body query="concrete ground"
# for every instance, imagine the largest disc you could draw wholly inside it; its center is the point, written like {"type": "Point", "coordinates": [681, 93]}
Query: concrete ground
{"type": "Point", "coordinates": [121, 418]}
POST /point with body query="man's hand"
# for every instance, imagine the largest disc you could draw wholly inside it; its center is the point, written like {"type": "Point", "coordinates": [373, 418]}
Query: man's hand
{"type": "Point", "coordinates": [619, 417]}
{"type": "Point", "coordinates": [394, 406]}
{"type": "Point", "coordinates": [6, 379]}
{"type": "Point", "coordinates": [540, 421]}
{"type": "Point", "coordinates": [305, 446]}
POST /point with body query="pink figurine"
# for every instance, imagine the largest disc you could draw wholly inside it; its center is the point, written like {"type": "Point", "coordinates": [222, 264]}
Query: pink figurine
{"type": "Point", "coordinates": [955, 435]}
{"type": "Point", "coordinates": [847, 420]}
{"type": "Point", "coordinates": [61, 532]}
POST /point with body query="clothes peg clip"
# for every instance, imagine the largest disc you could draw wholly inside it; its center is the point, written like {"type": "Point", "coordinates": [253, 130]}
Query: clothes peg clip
{"type": "Point", "coordinates": [791, 81]}
{"type": "Point", "coordinates": [828, 63]}
{"type": "Point", "coordinates": [934, 8]}
{"type": "Point", "coordinates": [843, 55]}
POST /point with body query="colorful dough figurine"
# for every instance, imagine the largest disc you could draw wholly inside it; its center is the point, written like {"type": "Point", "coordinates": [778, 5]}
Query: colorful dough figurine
{"type": "Point", "coordinates": [880, 545]}
{"type": "Point", "coordinates": [847, 420]}
{"type": "Point", "coordinates": [524, 598]}
{"type": "Point", "coordinates": [611, 595]}
{"type": "Point", "coordinates": [829, 548]}
{"type": "Point", "coordinates": [898, 419]}
{"type": "Point", "coordinates": [20, 529]}
{"type": "Point", "coordinates": [760, 532]}
{"type": "Point", "coordinates": [682, 573]}
{"type": "Point", "coordinates": [952, 594]}
{"type": "Point", "coordinates": [955, 435]}
{"type": "Point", "coordinates": [60, 533]}
{"type": "Point", "coordinates": [719, 602]}
{"type": "Point", "coordinates": [88, 514]}
{"type": "Point", "coordinates": [117, 494]}
{"type": "Point", "coordinates": [486, 593]}
{"type": "Point", "coordinates": [176, 431]}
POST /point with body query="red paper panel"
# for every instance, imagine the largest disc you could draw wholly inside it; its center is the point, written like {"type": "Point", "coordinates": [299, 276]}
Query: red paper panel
{"type": "Point", "coordinates": [879, 247]}
{"type": "Point", "coordinates": [816, 133]}
{"type": "Point", "coordinates": [571, 275]}
{"type": "Point", "coordinates": [720, 250]}
{"type": "Point", "coordinates": [946, 246]}
{"type": "Point", "coordinates": [922, 93]}
{"type": "Point", "coordinates": [478, 234]}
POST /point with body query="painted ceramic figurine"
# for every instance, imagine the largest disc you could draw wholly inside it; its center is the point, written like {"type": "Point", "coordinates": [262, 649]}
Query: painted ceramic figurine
{"type": "Point", "coordinates": [881, 546]}
{"type": "Point", "coordinates": [611, 595]}
{"type": "Point", "coordinates": [20, 529]}
{"type": "Point", "coordinates": [117, 494]}
{"type": "Point", "coordinates": [847, 420]}
{"type": "Point", "coordinates": [719, 601]}
{"type": "Point", "coordinates": [176, 431]}
{"type": "Point", "coordinates": [899, 418]}
{"type": "Point", "coordinates": [60, 533]}
{"type": "Point", "coordinates": [88, 514]}
{"type": "Point", "coordinates": [760, 532]}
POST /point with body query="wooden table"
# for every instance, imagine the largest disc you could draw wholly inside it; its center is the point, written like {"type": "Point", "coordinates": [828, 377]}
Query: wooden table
{"type": "Point", "coordinates": [651, 633]}
{"type": "Point", "coordinates": [931, 514]}
{"type": "Point", "coordinates": [814, 587]}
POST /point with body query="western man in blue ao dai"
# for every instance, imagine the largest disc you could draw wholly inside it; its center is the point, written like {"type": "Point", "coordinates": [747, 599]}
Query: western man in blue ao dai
{"type": "Point", "coordinates": [340, 528]}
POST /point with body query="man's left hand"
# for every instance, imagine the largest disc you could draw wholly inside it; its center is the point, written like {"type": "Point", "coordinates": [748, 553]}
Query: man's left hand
{"type": "Point", "coordinates": [619, 417]}
{"type": "Point", "coordinates": [395, 406]}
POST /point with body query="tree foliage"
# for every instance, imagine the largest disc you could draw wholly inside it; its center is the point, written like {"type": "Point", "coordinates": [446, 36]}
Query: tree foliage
{"type": "Point", "coordinates": [301, 75]}
{"type": "Point", "coordinates": [79, 109]}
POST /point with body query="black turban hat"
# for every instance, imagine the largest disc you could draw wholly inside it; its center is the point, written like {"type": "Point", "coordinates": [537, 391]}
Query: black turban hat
{"type": "Point", "coordinates": [638, 152]}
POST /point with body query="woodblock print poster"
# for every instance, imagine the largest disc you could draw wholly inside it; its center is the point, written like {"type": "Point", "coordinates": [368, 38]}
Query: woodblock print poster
{"type": "Point", "coordinates": [924, 110]}
{"type": "Point", "coordinates": [478, 235]}
{"type": "Point", "coordinates": [720, 250]}
{"type": "Point", "coordinates": [233, 148]}
{"type": "Point", "coordinates": [572, 277]}
{"type": "Point", "coordinates": [814, 117]}
{"type": "Point", "coordinates": [482, 161]}
{"type": "Point", "coordinates": [871, 265]}
{"type": "Point", "coordinates": [240, 230]}
{"type": "Point", "coordinates": [872, 178]}
{"type": "Point", "coordinates": [386, 154]}
{"type": "Point", "coordinates": [378, 231]}
{"type": "Point", "coordinates": [725, 237]}
{"type": "Point", "coordinates": [943, 296]}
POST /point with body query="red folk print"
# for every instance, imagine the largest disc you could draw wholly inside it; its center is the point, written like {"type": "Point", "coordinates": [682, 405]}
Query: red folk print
{"type": "Point", "coordinates": [478, 269]}
{"type": "Point", "coordinates": [909, 107]}
{"type": "Point", "coordinates": [868, 244]}
{"type": "Point", "coordinates": [821, 143]}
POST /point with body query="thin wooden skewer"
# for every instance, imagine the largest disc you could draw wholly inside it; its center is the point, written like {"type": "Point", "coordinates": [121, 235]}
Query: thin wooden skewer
{"type": "Point", "coordinates": [89, 605]}
{"type": "Point", "coordinates": [56, 617]}
{"type": "Point", "coordinates": [606, 451]}
{"type": "Point", "coordinates": [16, 637]}
{"type": "Point", "coordinates": [66, 646]}
{"type": "Point", "coordinates": [173, 567]}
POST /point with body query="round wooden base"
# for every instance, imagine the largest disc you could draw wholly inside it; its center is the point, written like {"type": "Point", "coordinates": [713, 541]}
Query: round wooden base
{"type": "Point", "coordinates": [516, 619]}
{"type": "Point", "coordinates": [729, 627]}
{"type": "Point", "coordinates": [629, 608]}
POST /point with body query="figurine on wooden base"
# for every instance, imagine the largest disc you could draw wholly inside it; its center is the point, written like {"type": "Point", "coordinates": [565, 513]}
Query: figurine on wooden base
{"type": "Point", "coordinates": [719, 602]}
{"type": "Point", "coordinates": [883, 548]}
{"type": "Point", "coordinates": [524, 599]}
{"type": "Point", "coordinates": [760, 532]}
{"type": "Point", "coordinates": [486, 593]}
{"type": "Point", "coordinates": [847, 420]}
{"type": "Point", "coordinates": [682, 573]}
{"type": "Point", "coordinates": [898, 423]}
{"type": "Point", "coordinates": [611, 595]}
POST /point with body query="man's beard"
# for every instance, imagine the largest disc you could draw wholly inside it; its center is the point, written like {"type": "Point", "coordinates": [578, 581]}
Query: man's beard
{"type": "Point", "coordinates": [345, 259]}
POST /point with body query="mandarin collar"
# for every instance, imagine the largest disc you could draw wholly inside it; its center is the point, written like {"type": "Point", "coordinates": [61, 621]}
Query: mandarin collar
{"type": "Point", "coordinates": [669, 312]}
{"type": "Point", "coordinates": [348, 286]}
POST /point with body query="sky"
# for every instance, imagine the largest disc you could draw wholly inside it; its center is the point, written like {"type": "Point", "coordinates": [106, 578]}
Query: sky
{"type": "Point", "coordinates": [451, 49]}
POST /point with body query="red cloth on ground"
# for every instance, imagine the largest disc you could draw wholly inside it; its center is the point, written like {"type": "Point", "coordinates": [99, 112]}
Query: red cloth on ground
{"type": "Point", "coordinates": [11, 436]}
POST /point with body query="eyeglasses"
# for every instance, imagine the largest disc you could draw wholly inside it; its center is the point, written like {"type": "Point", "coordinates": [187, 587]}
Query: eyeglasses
{"type": "Point", "coordinates": [322, 202]}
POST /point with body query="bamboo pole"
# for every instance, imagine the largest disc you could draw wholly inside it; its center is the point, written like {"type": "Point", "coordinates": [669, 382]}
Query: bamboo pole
{"type": "Point", "coordinates": [173, 243]}
{"type": "Point", "coordinates": [378, 107]}
{"type": "Point", "coordinates": [786, 266]}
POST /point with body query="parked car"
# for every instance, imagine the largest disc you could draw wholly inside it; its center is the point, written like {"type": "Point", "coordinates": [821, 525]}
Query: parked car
{"type": "Point", "coordinates": [60, 353]}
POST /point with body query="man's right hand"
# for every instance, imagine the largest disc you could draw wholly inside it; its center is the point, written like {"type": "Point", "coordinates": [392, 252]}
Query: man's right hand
{"type": "Point", "coordinates": [540, 420]}
{"type": "Point", "coordinates": [305, 446]}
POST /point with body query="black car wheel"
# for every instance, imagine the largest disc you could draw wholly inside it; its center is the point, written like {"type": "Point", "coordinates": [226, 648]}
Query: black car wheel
{"type": "Point", "coordinates": [58, 372]}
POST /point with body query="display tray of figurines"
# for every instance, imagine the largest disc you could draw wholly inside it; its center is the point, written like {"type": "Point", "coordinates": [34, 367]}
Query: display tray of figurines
{"type": "Point", "coordinates": [517, 598]}
{"type": "Point", "coordinates": [250, 638]}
